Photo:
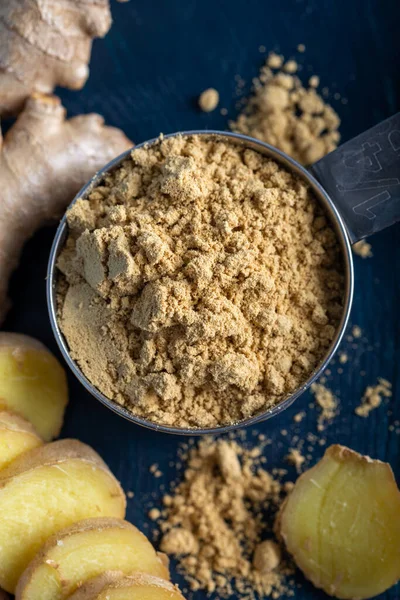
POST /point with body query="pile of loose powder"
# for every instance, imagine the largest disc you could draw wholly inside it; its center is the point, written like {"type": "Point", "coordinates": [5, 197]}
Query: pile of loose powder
{"type": "Point", "coordinates": [201, 283]}
{"type": "Point", "coordinates": [285, 114]}
{"type": "Point", "coordinates": [214, 523]}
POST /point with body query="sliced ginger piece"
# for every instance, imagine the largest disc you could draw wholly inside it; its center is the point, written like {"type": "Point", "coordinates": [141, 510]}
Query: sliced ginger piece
{"type": "Point", "coordinates": [83, 551]}
{"type": "Point", "coordinates": [16, 436]}
{"type": "Point", "coordinates": [33, 384]}
{"type": "Point", "coordinates": [114, 586]}
{"type": "Point", "coordinates": [341, 523]}
{"type": "Point", "coordinates": [45, 490]}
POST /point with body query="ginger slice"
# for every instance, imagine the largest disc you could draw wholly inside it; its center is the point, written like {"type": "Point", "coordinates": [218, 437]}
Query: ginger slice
{"type": "Point", "coordinates": [45, 490]}
{"type": "Point", "coordinates": [341, 523]}
{"type": "Point", "coordinates": [16, 436]}
{"type": "Point", "coordinates": [33, 383]}
{"type": "Point", "coordinates": [113, 586]}
{"type": "Point", "coordinates": [83, 551]}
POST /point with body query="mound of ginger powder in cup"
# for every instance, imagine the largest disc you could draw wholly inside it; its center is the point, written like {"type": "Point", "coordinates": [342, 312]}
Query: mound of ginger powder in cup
{"type": "Point", "coordinates": [200, 284]}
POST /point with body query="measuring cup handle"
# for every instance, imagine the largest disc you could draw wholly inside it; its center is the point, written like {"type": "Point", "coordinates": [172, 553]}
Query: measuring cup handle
{"type": "Point", "coordinates": [363, 179]}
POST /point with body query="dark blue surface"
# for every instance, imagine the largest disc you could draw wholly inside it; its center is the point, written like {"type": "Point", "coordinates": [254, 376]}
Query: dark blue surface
{"type": "Point", "coordinates": [145, 77]}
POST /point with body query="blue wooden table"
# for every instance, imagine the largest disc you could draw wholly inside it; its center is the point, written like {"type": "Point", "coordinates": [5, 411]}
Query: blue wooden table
{"type": "Point", "coordinates": [145, 78]}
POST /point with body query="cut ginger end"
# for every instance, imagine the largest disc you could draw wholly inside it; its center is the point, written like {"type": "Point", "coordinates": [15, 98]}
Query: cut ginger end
{"type": "Point", "coordinates": [84, 551]}
{"type": "Point", "coordinates": [114, 586]}
{"type": "Point", "coordinates": [45, 490]}
{"type": "Point", "coordinates": [33, 384]}
{"type": "Point", "coordinates": [341, 523]}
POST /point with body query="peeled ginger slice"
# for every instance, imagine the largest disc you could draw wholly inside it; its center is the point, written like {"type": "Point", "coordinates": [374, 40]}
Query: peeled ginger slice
{"type": "Point", "coordinates": [16, 436]}
{"type": "Point", "coordinates": [45, 490]}
{"type": "Point", "coordinates": [33, 384]}
{"type": "Point", "coordinates": [341, 523]}
{"type": "Point", "coordinates": [113, 586]}
{"type": "Point", "coordinates": [83, 551]}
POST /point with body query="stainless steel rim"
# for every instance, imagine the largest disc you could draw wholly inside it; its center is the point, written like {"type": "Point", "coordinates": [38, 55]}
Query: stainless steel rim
{"type": "Point", "coordinates": [337, 221]}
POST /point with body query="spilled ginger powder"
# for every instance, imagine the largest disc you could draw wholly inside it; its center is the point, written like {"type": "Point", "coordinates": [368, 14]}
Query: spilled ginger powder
{"type": "Point", "coordinates": [201, 283]}
{"type": "Point", "coordinates": [288, 115]}
{"type": "Point", "coordinates": [214, 523]}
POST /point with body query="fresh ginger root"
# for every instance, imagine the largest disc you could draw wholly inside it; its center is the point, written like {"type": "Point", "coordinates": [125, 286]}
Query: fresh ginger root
{"type": "Point", "coordinates": [83, 551]}
{"type": "Point", "coordinates": [114, 586]}
{"type": "Point", "coordinates": [33, 384]}
{"type": "Point", "coordinates": [45, 44]}
{"type": "Point", "coordinates": [16, 437]}
{"type": "Point", "coordinates": [44, 161]}
{"type": "Point", "coordinates": [341, 523]}
{"type": "Point", "coordinates": [45, 490]}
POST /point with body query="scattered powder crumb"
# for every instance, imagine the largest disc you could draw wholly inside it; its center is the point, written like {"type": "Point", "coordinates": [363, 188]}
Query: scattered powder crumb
{"type": "Point", "coordinates": [363, 249]}
{"type": "Point", "coordinates": [373, 397]}
{"type": "Point", "coordinates": [240, 83]}
{"type": "Point", "coordinates": [299, 417]}
{"type": "Point", "coordinates": [215, 523]}
{"type": "Point", "coordinates": [130, 494]}
{"type": "Point", "coordinates": [154, 514]}
{"type": "Point", "coordinates": [275, 61]}
{"type": "Point", "coordinates": [327, 401]}
{"type": "Point", "coordinates": [295, 458]}
{"type": "Point", "coordinates": [284, 432]}
{"type": "Point", "coordinates": [285, 114]}
{"type": "Point", "coordinates": [262, 49]}
{"type": "Point", "coordinates": [301, 48]}
{"type": "Point", "coordinates": [155, 471]}
{"type": "Point", "coordinates": [267, 557]}
{"type": "Point", "coordinates": [288, 487]}
{"type": "Point", "coordinates": [314, 81]}
{"type": "Point", "coordinates": [177, 305]}
{"type": "Point", "coordinates": [208, 100]}
{"type": "Point", "coordinates": [343, 358]}
{"type": "Point", "coordinates": [224, 112]}
{"type": "Point", "coordinates": [356, 331]}
{"type": "Point", "coordinates": [290, 66]}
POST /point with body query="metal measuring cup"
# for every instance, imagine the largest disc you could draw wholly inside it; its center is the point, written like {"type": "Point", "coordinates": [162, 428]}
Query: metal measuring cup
{"type": "Point", "coordinates": [358, 186]}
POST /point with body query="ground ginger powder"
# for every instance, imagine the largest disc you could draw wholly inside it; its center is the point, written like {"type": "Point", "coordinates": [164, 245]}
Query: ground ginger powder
{"type": "Point", "coordinates": [288, 115]}
{"type": "Point", "coordinates": [218, 523]}
{"type": "Point", "coordinates": [201, 283]}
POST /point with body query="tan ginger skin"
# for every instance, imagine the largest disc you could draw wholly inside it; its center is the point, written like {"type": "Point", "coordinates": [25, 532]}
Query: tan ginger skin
{"type": "Point", "coordinates": [44, 45]}
{"type": "Point", "coordinates": [44, 160]}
